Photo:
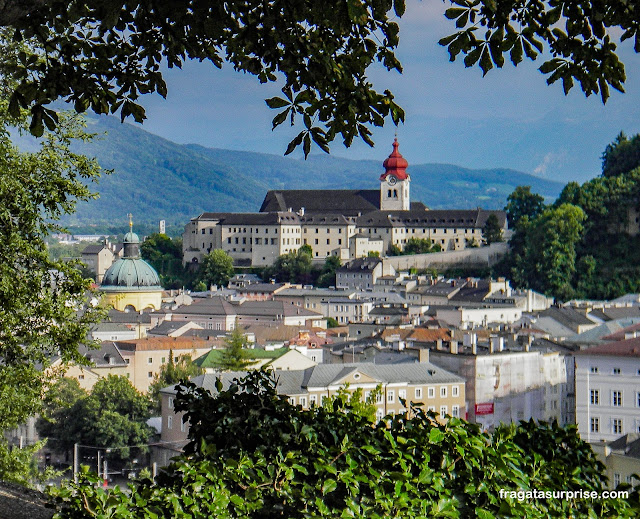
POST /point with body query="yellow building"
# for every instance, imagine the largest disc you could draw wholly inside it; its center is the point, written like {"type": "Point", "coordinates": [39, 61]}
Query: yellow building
{"type": "Point", "coordinates": [131, 283]}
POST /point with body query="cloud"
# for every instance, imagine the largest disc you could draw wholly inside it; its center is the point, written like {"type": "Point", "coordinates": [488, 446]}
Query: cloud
{"type": "Point", "coordinates": [550, 161]}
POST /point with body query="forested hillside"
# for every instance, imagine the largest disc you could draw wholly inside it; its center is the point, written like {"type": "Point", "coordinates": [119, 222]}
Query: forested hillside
{"type": "Point", "coordinates": [157, 179]}
{"type": "Point", "coordinates": [587, 243]}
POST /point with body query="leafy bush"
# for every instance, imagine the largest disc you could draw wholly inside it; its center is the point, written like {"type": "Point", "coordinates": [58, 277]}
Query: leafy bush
{"type": "Point", "coordinates": [252, 454]}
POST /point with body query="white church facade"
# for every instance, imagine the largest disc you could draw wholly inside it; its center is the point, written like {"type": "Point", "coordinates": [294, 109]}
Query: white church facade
{"type": "Point", "coordinates": [345, 223]}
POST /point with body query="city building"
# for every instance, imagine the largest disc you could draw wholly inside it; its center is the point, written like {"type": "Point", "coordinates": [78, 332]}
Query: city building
{"type": "Point", "coordinates": [346, 223]}
{"type": "Point", "coordinates": [422, 382]}
{"type": "Point", "coordinates": [131, 283]}
{"type": "Point", "coordinates": [608, 390]}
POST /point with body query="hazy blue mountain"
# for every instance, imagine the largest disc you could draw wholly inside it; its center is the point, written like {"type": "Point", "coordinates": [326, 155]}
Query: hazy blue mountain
{"type": "Point", "coordinates": [157, 179]}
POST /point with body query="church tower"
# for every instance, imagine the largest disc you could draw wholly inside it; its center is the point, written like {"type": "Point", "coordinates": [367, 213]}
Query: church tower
{"type": "Point", "coordinates": [394, 182]}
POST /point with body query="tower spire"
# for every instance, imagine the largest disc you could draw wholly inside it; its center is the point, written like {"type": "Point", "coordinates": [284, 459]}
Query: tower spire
{"type": "Point", "coordinates": [395, 164]}
{"type": "Point", "coordinates": [130, 222]}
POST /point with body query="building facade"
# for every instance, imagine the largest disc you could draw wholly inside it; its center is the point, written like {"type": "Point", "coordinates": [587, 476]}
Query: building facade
{"type": "Point", "coordinates": [346, 223]}
{"type": "Point", "coordinates": [608, 390]}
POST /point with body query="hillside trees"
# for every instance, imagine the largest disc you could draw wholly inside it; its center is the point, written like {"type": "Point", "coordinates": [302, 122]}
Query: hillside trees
{"type": "Point", "coordinates": [102, 55]}
{"type": "Point", "coordinates": [252, 454]}
{"type": "Point", "coordinates": [602, 263]}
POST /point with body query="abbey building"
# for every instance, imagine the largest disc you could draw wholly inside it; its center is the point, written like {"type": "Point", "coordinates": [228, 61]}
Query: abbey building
{"type": "Point", "coordinates": [344, 223]}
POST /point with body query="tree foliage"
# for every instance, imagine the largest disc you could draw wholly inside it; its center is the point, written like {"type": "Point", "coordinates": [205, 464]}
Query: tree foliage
{"type": "Point", "coordinates": [57, 422]}
{"type": "Point", "coordinates": [327, 276]}
{"type": "Point", "coordinates": [102, 55]}
{"type": "Point", "coordinates": [43, 301]}
{"type": "Point", "coordinates": [414, 246]}
{"type": "Point", "coordinates": [492, 232]}
{"type": "Point", "coordinates": [621, 156]}
{"type": "Point", "coordinates": [112, 416]}
{"type": "Point", "coordinates": [521, 204]}
{"type": "Point", "coordinates": [293, 267]}
{"type": "Point", "coordinates": [165, 255]}
{"type": "Point", "coordinates": [171, 373]}
{"type": "Point", "coordinates": [579, 38]}
{"type": "Point", "coordinates": [234, 356]}
{"type": "Point", "coordinates": [603, 262]}
{"type": "Point", "coordinates": [216, 268]}
{"type": "Point", "coordinates": [252, 454]}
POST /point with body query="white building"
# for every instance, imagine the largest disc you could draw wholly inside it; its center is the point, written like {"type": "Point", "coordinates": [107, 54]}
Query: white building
{"type": "Point", "coordinates": [608, 390]}
{"type": "Point", "coordinates": [345, 223]}
{"type": "Point", "coordinates": [509, 386]}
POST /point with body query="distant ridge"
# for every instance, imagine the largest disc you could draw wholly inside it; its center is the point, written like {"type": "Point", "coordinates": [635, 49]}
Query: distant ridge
{"type": "Point", "coordinates": [159, 179]}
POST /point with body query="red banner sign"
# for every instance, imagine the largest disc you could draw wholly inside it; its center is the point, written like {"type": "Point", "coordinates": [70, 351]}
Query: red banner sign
{"type": "Point", "coordinates": [486, 408]}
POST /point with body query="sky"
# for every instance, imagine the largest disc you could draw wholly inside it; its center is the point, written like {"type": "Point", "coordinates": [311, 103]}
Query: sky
{"type": "Point", "coordinates": [509, 119]}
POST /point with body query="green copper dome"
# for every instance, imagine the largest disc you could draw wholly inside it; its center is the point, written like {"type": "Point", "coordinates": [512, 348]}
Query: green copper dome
{"type": "Point", "coordinates": [130, 274]}
{"type": "Point", "coordinates": [131, 237]}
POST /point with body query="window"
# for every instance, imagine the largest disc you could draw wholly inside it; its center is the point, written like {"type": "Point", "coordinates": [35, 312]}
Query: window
{"type": "Point", "coordinates": [594, 369]}
{"type": "Point", "coordinates": [313, 399]}
{"type": "Point", "coordinates": [443, 410]}
{"type": "Point", "coordinates": [616, 371]}
{"type": "Point", "coordinates": [169, 422]}
{"type": "Point", "coordinates": [595, 397]}
{"type": "Point", "coordinates": [617, 426]}
{"type": "Point", "coordinates": [443, 391]}
{"type": "Point", "coordinates": [616, 398]}
{"type": "Point", "coordinates": [303, 401]}
{"type": "Point", "coordinates": [455, 391]}
{"type": "Point", "coordinates": [431, 392]}
{"type": "Point", "coordinates": [164, 359]}
{"type": "Point", "coordinates": [638, 399]}
{"type": "Point", "coordinates": [170, 402]}
{"type": "Point", "coordinates": [418, 392]}
{"type": "Point", "coordinates": [616, 479]}
{"type": "Point", "coordinates": [379, 414]}
{"type": "Point", "coordinates": [183, 426]}
{"type": "Point", "coordinates": [150, 360]}
{"type": "Point", "coordinates": [402, 393]}
{"type": "Point", "coordinates": [292, 400]}
{"type": "Point", "coordinates": [150, 374]}
{"type": "Point", "coordinates": [379, 398]}
{"type": "Point", "coordinates": [80, 377]}
{"type": "Point", "coordinates": [455, 411]}
{"type": "Point", "coordinates": [391, 397]}
{"type": "Point", "coordinates": [595, 425]}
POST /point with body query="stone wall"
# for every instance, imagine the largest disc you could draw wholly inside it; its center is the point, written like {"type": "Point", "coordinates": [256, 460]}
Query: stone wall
{"type": "Point", "coordinates": [481, 256]}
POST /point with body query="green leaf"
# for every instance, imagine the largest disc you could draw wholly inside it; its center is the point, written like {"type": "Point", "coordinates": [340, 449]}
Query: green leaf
{"type": "Point", "coordinates": [277, 102]}
{"type": "Point", "coordinates": [399, 7]}
{"type": "Point", "coordinates": [436, 435]}
{"type": "Point", "coordinates": [329, 486]}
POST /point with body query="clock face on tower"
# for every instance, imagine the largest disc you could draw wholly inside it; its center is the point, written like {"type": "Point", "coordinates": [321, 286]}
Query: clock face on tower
{"type": "Point", "coordinates": [391, 180]}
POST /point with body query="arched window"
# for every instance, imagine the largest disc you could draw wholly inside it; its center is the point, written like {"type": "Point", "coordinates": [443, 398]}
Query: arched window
{"type": "Point", "coordinates": [395, 193]}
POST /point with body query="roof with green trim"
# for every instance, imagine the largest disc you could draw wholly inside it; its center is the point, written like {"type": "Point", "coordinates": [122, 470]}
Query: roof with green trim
{"type": "Point", "coordinates": [213, 357]}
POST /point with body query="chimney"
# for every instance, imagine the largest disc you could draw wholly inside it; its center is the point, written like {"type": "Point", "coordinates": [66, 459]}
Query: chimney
{"type": "Point", "coordinates": [423, 355]}
{"type": "Point", "coordinates": [474, 349]}
{"type": "Point", "coordinates": [453, 347]}
{"type": "Point", "coordinates": [439, 344]}
{"type": "Point", "coordinates": [630, 335]}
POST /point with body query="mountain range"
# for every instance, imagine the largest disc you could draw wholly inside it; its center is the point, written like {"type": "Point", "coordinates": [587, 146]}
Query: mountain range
{"type": "Point", "coordinates": [154, 178]}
